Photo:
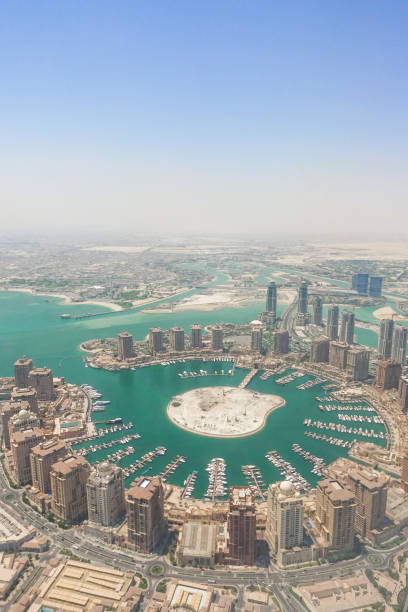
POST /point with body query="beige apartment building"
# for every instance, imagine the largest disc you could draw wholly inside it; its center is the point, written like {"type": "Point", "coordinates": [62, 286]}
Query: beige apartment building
{"type": "Point", "coordinates": [370, 489]}
{"type": "Point", "coordinates": [41, 380]}
{"type": "Point", "coordinates": [177, 339]}
{"type": "Point", "coordinates": [21, 443]}
{"type": "Point", "coordinates": [145, 514]}
{"type": "Point", "coordinates": [125, 346]}
{"type": "Point", "coordinates": [42, 457]}
{"type": "Point", "coordinates": [105, 491]}
{"type": "Point", "coordinates": [217, 338]}
{"type": "Point", "coordinates": [22, 368]}
{"type": "Point", "coordinates": [8, 410]}
{"type": "Point", "coordinates": [241, 526]}
{"type": "Point", "coordinates": [68, 488]}
{"type": "Point", "coordinates": [335, 514]}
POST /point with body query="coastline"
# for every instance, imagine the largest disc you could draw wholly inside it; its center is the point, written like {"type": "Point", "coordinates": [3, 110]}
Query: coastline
{"type": "Point", "coordinates": [387, 312]}
{"type": "Point", "coordinates": [64, 299]}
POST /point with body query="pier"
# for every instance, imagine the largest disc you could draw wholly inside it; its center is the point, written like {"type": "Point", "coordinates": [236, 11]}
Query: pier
{"type": "Point", "coordinates": [172, 466]}
{"type": "Point", "coordinates": [254, 478]}
{"type": "Point", "coordinates": [247, 379]}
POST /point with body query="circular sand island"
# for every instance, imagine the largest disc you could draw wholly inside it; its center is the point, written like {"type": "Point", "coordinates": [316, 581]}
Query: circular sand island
{"type": "Point", "coordinates": [224, 412]}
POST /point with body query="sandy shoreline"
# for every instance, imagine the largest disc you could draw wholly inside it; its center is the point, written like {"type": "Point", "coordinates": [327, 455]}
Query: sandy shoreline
{"type": "Point", "coordinates": [64, 299]}
{"type": "Point", "coordinates": [387, 312]}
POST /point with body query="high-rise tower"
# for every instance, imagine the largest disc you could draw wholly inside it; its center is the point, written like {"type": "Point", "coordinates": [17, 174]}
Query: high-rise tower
{"type": "Point", "coordinates": [399, 344]}
{"type": "Point", "coordinates": [385, 338]}
{"type": "Point", "coordinates": [317, 310]}
{"type": "Point", "coordinates": [333, 322]}
{"type": "Point", "coordinates": [302, 298]}
{"type": "Point", "coordinates": [347, 327]}
{"type": "Point", "coordinates": [271, 298]}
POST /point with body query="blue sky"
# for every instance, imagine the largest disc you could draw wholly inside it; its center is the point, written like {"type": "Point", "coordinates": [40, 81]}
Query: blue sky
{"type": "Point", "coordinates": [161, 115]}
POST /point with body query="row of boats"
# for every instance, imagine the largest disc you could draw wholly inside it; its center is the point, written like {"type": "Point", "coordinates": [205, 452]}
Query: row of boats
{"type": "Point", "coordinates": [287, 470]}
{"type": "Point", "coordinates": [217, 481]}
{"type": "Point", "coordinates": [330, 440]}
{"type": "Point", "coordinates": [120, 454]}
{"type": "Point", "coordinates": [359, 418]}
{"type": "Point", "coordinates": [310, 383]}
{"type": "Point", "coordinates": [103, 432]}
{"type": "Point", "coordinates": [193, 374]}
{"type": "Point", "coordinates": [189, 485]}
{"type": "Point", "coordinates": [345, 408]}
{"type": "Point", "coordinates": [365, 433]}
{"type": "Point", "coordinates": [335, 399]}
{"type": "Point", "coordinates": [319, 465]}
{"type": "Point", "coordinates": [96, 447]}
{"type": "Point", "coordinates": [146, 458]}
{"type": "Point", "coordinates": [284, 380]}
{"type": "Point", "coordinates": [268, 373]}
{"type": "Point", "coordinates": [255, 480]}
{"type": "Point", "coordinates": [172, 466]}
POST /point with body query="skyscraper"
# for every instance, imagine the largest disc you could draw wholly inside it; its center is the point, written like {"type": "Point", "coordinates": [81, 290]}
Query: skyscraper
{"type": "Point", "coordinates": [9, 409]}
{"type": "Point", "coordinates": [125, 346]}
{"type": "Point", "coordinates": [68, 488]}
{"type": "Point", "coordinates": [26, 395]}
{"type": "Point", "coordinates": [22, 368]}
{"type": "Point", "coordinates": [375, 287]}
{"type": "Point", "coordinates": [284, 522]}
{"type": "Point", "coordinates": [333, 322]}
{"type": "Point", "coordinates": [241, 526]}
{"type": "Point", "coordinates": [156, 340]}
{"type": "Point", "coordinates": [217, 338]}
{"type": "Point", "coordinates": [338, 354]}
{"type": "Point", "coordinates": [196, 337]}
{"type": "Point", "coordinates": [388, 374]}
{"type": "Point", "coordinates": [21, 443]}
{"type": "Point", "coordinates": [105, 493]}
{"type": "Point", "coordinates": [317, 310]}
{"type": "Point", "coordinates": [370, 489]}
{"type": "Point", "coordinates": [399, 344]}
{"type": "Point", "coordinates": [347, 327]}
{"type": "Point", "coordinates": [281, 342]}
{"type": "Point", "coordinates": [385, 338]}
{"type": "Point", "coordinates": [271, 298]}
{"type": "Point", "coordinates": [256, 338]}
{"type": "Point", "coordinates": [302, 298]}
{"type": "Point", "coordinates": [145, 514]}
{"type": "Point", "coordinates": [177, 338]}
{"type": "Point", "coordinates": [335, 513]}
{"type": "Point", "coordinates": [357, 363]}
{"type": "Point", "coordinates": [319, 352]}
{"type": "Point", "coordinates": [403, 394]}
{"type": "Point", "coordinates": [42, 457]}
{"type": "Point", "coordinates": [360, 283]}
{"type": "Point", "coordinates": [42, 381]}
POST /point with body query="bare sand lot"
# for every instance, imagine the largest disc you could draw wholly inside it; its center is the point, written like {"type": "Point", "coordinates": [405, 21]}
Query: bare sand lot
{"type": "Point", "coordinates": [224, 412]}
{"type": "Point", "coordinates": [386, 313]}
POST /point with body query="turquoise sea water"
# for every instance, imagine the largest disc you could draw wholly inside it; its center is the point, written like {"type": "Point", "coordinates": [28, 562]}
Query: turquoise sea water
{"type": "Point", "coordinates": [31, 325]}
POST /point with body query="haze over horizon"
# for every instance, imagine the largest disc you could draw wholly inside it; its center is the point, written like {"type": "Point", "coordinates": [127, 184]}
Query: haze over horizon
{"type": "Point", "coordinates": [232, 117]}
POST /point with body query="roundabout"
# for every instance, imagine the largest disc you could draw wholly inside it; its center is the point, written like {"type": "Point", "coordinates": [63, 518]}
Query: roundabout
{"type": "Point", "coordinates": [222, 412]}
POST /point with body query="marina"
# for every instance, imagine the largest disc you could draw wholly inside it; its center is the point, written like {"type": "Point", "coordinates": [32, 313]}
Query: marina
{"type": "Point", "coordinates": [284, 380]}
{"type": "Point", "coordinates": [217, 482]}
{"type": "Point", "coordinates": [186, 374]}
{"type": "Point", "coordinates": [319, 465]}
{"type": "Point", "coordinates": [345, 408]}
{"type": "Point", "coordinates": [146, 458]}
{"type": "Point", "coordinates": [96, 447]}
{"type": "Point", "coordinates": [329, 440]}
{"type": "Point", "coordinates": [255, 481]}
{"type": "Point", "coordinates": [189, 485]}
{"type": "Point", "coordinates": [310, 383]}
{"type": "Point", "coordinates": [365, 433]}
{"type": "Point", "coordinates": [287, 471]}
{"type": "Point", "coordinates": [172, 466]}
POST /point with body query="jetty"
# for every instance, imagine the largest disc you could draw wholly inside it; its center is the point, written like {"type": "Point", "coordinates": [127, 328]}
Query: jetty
{"type": "Point", "coordinates": [247, 379]}
{"type": "Point", "coordinates": [255, 480]}
{"type": "Point", "coordinates": [172, 466]}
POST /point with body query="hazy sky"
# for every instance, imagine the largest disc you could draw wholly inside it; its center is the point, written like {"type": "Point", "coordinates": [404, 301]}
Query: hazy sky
{"type": "Point", "coordinates": [204, 115]}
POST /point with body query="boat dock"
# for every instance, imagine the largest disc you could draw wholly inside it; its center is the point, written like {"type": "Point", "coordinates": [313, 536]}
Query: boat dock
{"type": "Point", "coordinates": [146, 458]}
{"type": "Point", "coordinates": [255, 480]}
{"type": "Point", "coordinates": [172, 466]}
{"type": "Point", "coordinates": [189, 485]}
{"type": "Point", "coordinates": [247, 379]}
{"type": "Point", "coordinates": [217, 484]}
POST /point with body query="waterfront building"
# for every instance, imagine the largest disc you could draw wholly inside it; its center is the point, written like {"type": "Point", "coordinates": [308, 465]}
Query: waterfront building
{"type": "Point", "coordinates": [347, 327]}
{"type": "Point", "coordinates": [404, 472]}
{"type": "Point", "coordinates": [357, 363]}
{"type": "Point", "coordinates": [24, 419]}
{"type": "Point", "coordinates": [360, 283]}
{"type": "Point", "coordinates": [105, 491]}
{"type": "Point", "coordinates": [41, 380]}
{"type": "Point", "coordinates": [217, 338]}
{"type": "Point", "coordinates": [256, 338]}
{"type": "Point", "coordinates": [335, 514]}
{"type": "Point", "coordinates": [177, 338]}
{"type": "Point", "coordinates": [388, 374]}
{"type": "Point", "coordinates": [145, 514]}
{"type": "Point", "coordinates": [196, 337]}
{"type": "Point", "coordinates": [197, 543]}
{"type": "Point", "coordinates": [8, 410]}
{"type": "Point", "coordinates": [333, 322]}
{"type": "Point", "coordinates": [385, 338]}
{"type": "Point", "coordinates": [241, 526]}
{"type": "Point", "coordinates": [271, 298]}
{"type": "Point", "coordinates": [26, 395]}
{"type": "Point", "coordinates": [156, 340]}
{"type": "Point", "coordinates": [284, 520]}
{"type": "Point", "coordinates": [338, 354]}
{"type": "Point", "coordinates": [302, 298]}
{"type": "Point", "coordinates": [403, 393]}
{"type": "Point", "coordinates": [319, 352]}
{"type": "Point", "coordinates": [22, 368]}
{"type": "Point", "coordinates": [317, 310]}
{"type": "Point", "coordinates": [68, 489]}
{"type": "Point", "coordinates": [375, 286]}
{"type": "Point", "coordinates": [281, 342]}
{"type": "Point", "coordinates": [399, 344]}
{"type": "Point", "coordinates": [125, 346]}
{"type": "Point", "coordinates": [21, 442]}
{"type": "Point", "coordinates": [42, 457]}
{"type": "Point", "coordinates": [370, 489]}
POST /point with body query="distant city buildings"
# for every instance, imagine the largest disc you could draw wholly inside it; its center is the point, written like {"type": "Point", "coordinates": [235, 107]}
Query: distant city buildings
{"type": "Point", "coordinates": [403, 393]}
{"type": "Point", "coordinates": [388, 374]}
{"type": "Point", "coordinates": [241, 526]}
{"type": "Point", "coordinates": [385, 338]}
{"type": "Point", "coordinates": [156, 340]}
{"type": "Point", "coordinates": [399, 344]}
{"type": "Point", "coordinates": [333, 322]}
{"type": "Point", "coordinates": [319, 352]}
{"type": "Point", "coordinates": [365, 284]}
{"type": "Point", "coordinates": [196, 337]}
{"type": "Point", "coordinates": [317, 310]}
{"type": "Point", "coordinates": [302, 297]}
{"type": "Point", "coordinates": [256, 338]}
{"type": "Point", "coordinates": [271, 301]}
{"type": "Point", "coordinates": [145, 514]}
{"type": "Point", "coordinates": [105, 491]}
{"type": "Point", "coordinates": [375, 286]}
{"type": "Point", "coordinates": [217, 338]}
{"type": "Point", "coordinates": [347, 327]}
{"type": "Point", "coordinates": [281, 342]}
{"type": "Point", "coordinates": [125, 346]}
